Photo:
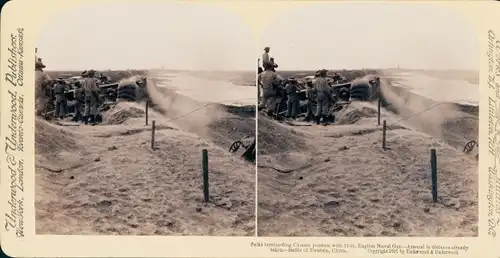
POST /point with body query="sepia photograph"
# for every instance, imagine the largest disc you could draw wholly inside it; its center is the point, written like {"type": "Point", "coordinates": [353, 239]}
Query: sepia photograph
{"type": "Point", "coordinates": [145, 125]}
{"type": "Point", "coordinates": [368, 122]}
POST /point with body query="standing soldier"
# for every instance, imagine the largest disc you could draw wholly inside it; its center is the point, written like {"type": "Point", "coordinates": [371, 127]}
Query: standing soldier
{"type": "Point", "coordinates": [265, 57]}
{"type": "Point", "coordinates": [91, 90]}
{"type": "Point", "coordinates": [309, 100]}
{"type": "Point", "coordinates": [323, 97]}
{"type": "Point", "coordinates": [292, 98]}
{"type": "Point", "coordinates": [61, 102]}
{"type": "Point", "coordinates": [79, 102]}
{"type": "Point", "coordinates": [269, 81]}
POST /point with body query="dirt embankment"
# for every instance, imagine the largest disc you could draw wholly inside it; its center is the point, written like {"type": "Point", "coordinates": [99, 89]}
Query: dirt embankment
{"type": "Point", "coordinates": [338, 181]}
{"type": "Point", "coordinates": [106, 179]}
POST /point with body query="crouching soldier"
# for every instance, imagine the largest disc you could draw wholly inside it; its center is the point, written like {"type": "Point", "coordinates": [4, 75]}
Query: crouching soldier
{"type": "Point", "coordinates": [310, 92]}
{"type": "Point", "coordinates": [292, 98]}
{"type": "Point", "coordinates": [61, 102]}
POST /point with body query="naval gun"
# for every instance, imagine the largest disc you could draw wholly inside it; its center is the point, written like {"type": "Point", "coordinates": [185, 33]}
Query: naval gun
{"type": "Point", "coordinates": [342, 92]}
{"type": "Point", "coordinates": [130, 89]}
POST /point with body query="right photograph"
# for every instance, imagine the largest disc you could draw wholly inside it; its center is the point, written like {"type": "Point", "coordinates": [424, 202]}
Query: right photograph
{"type": "Point", "coordinates": [368, 122]}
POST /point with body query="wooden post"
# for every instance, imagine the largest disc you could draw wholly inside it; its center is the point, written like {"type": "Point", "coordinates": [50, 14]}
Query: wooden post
{"type": "Point", "coordinates": [384, 128]}
{"type": "Point", "coordinates": [153, 135]}
{"type": "Point", "coordinates": [378, 110]}
{"type": "Point", "coordinates": [434, 175]}
{"type": "Point", "coordinates": [147, 107]}
{"type": "Point", "coordinates": [205, 175]}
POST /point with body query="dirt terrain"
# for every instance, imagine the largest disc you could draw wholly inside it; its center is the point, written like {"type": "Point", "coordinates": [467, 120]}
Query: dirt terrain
{"type": "Point", "coordinates": [338, 181]}
{"type": "Point", "coordinates": [106, 179]}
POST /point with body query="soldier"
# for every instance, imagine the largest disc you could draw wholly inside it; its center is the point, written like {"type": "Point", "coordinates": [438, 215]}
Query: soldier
{"type": "Point", "coordinates": [273, 64]}
{"type": "Point", "coordinates": [92, 100]}
{"type": "Point", "coordinates": [336, 78]}
{"type": "Point", "coordinates": [323, 97]}
{"type": "Point", "coordinates": [309, 100]}
{"type": "Point", "coordinates": [60, 89]}
{"type": "Point", "coordinates": [79, 102]}
{"type": "Point", "coordinates": [291, 89]}
{"type": "Point", "coordinates": [269, 81]}
{"type": "Point", "coordinates": [259, 89]}
{"type": "Point", "coordinates": [265, 57]}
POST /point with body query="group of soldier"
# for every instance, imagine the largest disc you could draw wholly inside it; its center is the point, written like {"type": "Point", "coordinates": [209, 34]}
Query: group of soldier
{"type": "Point", "coordinates": [274, 87]}
{"type": "Point", "coordinates": [86, 98]}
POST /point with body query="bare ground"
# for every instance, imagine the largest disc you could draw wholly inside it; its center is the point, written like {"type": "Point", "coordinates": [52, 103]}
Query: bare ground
{"type": "Point", "coordinates": [106, 179]}
{"type": "Point", "coordinates": [338, 181]}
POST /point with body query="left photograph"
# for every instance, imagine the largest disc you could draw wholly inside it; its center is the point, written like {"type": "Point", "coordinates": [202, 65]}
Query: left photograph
{"type": "Point", "coordinates": [145, 125]}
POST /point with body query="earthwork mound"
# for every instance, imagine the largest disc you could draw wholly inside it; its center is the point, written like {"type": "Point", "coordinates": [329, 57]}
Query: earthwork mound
{"type": "Point", "coordinates": [50, 140]}
{"type": "Point", "coordinates": [119, 115]}
{"type": "Point", "coordinates": [353, 113]}
{"type": "Point", "coordinates": [275, 138]}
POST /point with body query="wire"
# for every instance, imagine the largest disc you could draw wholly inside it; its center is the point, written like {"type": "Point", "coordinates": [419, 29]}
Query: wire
{"type": "Point", "coordinates": [429, 108]}
{"type": "Point", "coordinates": [201, 107]}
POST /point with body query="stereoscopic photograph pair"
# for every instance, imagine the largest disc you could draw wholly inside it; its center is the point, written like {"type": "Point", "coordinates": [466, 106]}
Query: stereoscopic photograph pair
{"type": "Point", "coordinates": [175, 119]}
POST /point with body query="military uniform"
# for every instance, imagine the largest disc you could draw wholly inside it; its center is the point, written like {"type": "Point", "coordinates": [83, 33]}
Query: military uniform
{"type": "Point", "coordinates": [309, 100]}
{"type": "Point", "coordinates": [92, 100]}
{"type": "Point", "coordinates": [265, 57]}
{"type": "Point", "coordinates": [292, 98]}
{"type": "Point", "coordinates": [270, 81]}
{"type": "Point", "coordinates": [61, 101]}
{"type": "Point", "coordinates": [259, 90]}
{"type": "Point", "coordinates": [79, 104]}
{"type": "Point", "coordinates": [323, 97]}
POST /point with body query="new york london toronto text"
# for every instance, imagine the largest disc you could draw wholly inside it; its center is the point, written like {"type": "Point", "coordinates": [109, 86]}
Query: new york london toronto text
{"type": "Point", "coordinates": [14, 139]}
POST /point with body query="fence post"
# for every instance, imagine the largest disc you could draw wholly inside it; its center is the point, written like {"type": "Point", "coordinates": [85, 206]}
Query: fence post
{"type": "Point", "coordinates": [434, 175]}
{"type": "Point", "coordinates": [205, 175]}
{"type": "Point", "coordinates": [384, 128]}
{"type": "Point", "coordinates": [378, 110]}
{"type": "Point", "coordinates": [153, 135]}
{"type": "Point", "coordinates": [147, 107]}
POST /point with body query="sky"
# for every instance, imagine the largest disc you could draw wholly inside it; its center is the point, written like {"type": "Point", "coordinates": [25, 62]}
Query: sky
{"type": "Point", "coordinates": [143, 36]}
{"type": "Point", "coordinates": [370, 35]}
